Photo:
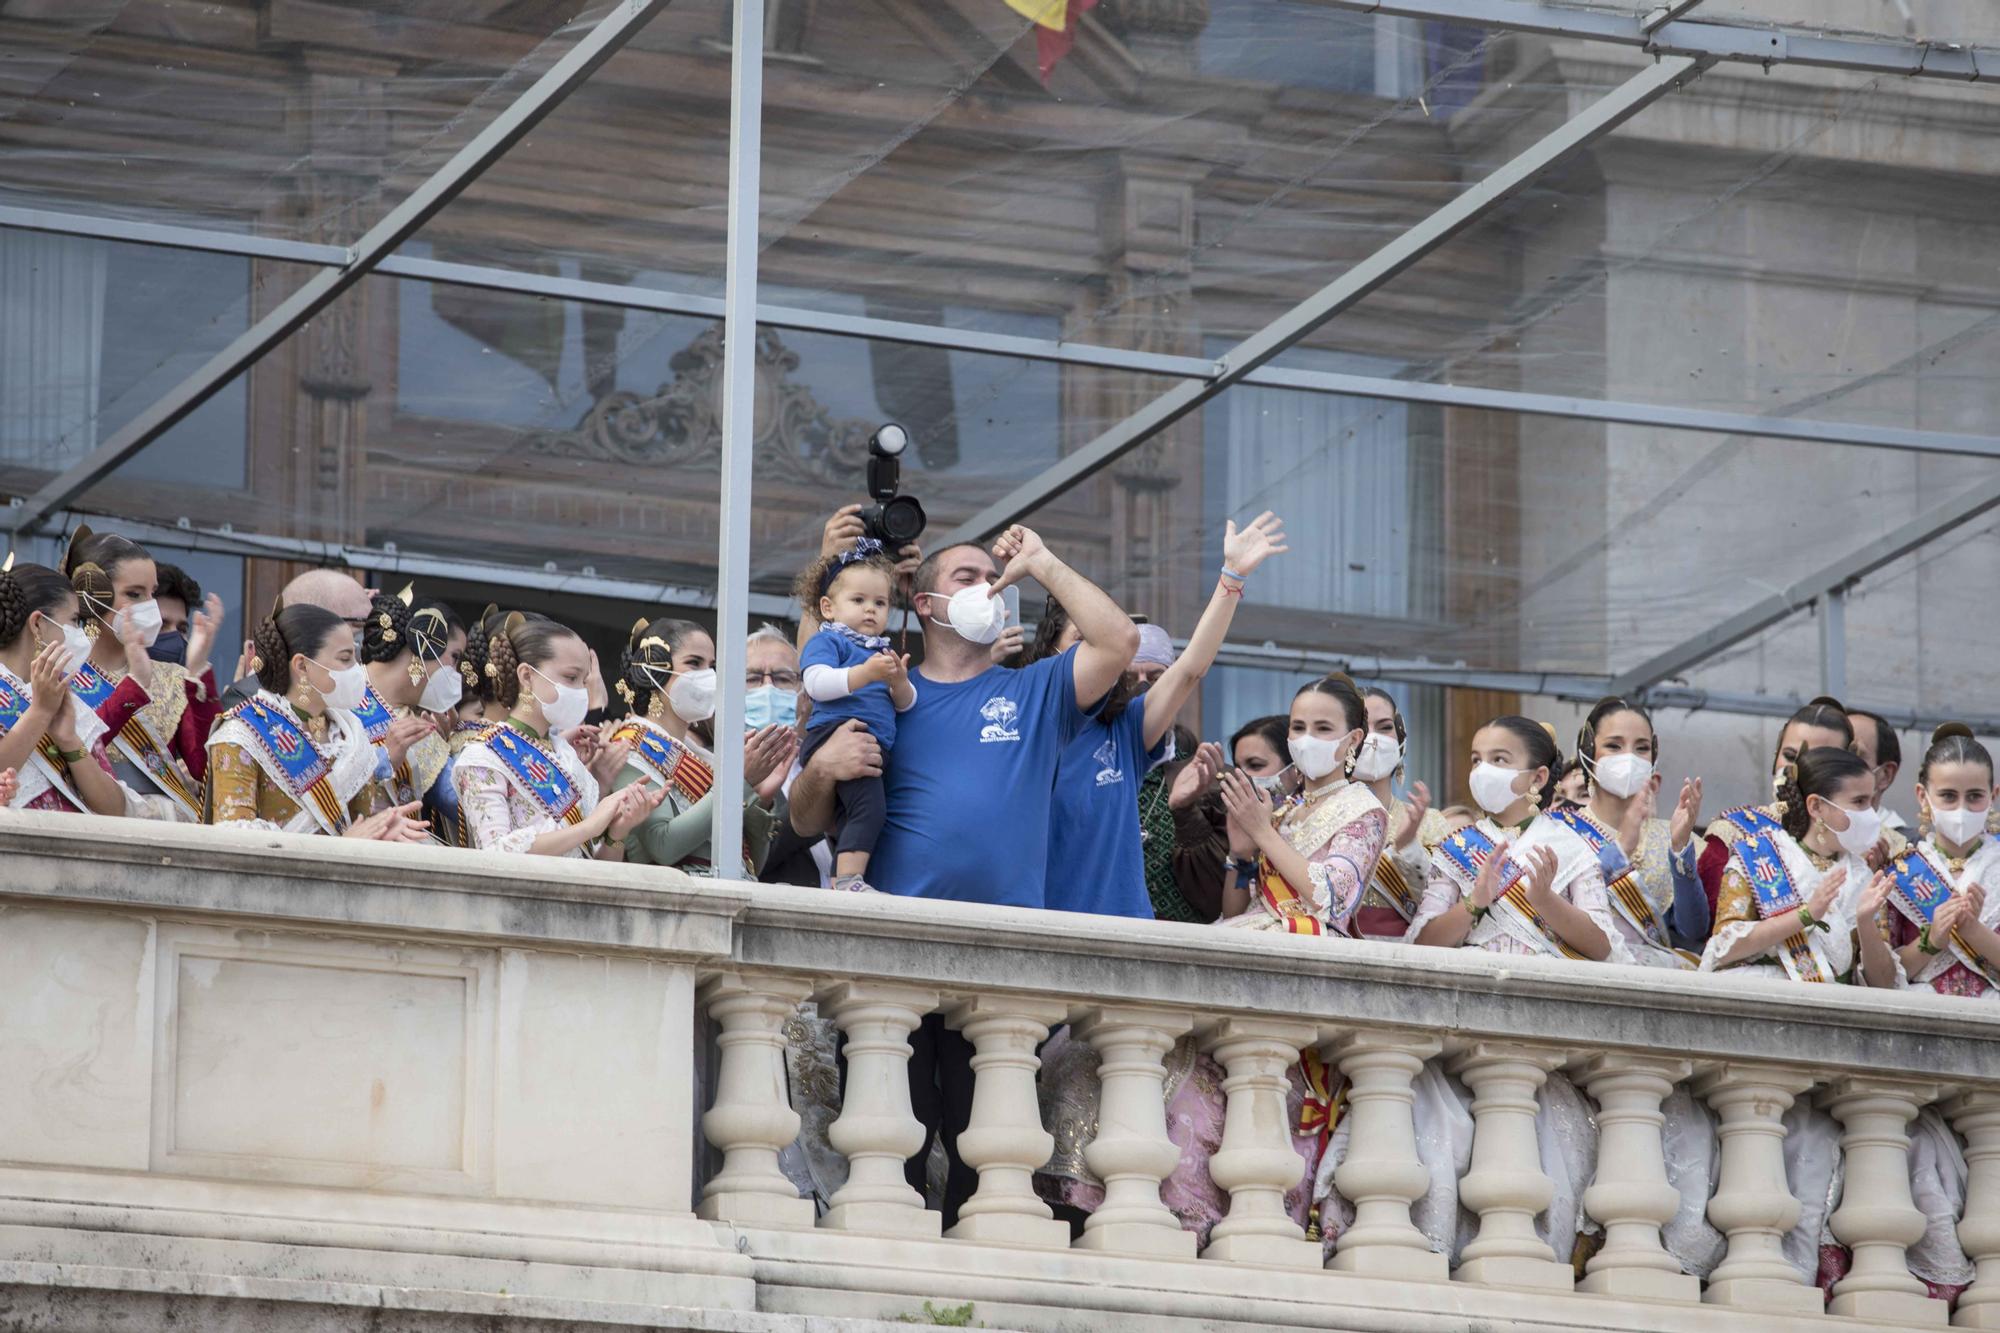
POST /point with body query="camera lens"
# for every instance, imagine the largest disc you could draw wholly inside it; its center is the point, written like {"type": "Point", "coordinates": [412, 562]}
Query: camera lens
{"type": "Point", "coordinates": [896, 522]}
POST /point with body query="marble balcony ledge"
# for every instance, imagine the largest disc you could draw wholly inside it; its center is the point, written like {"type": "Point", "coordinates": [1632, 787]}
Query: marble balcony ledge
{"type": "Point", "coordinates": [260, 1081]}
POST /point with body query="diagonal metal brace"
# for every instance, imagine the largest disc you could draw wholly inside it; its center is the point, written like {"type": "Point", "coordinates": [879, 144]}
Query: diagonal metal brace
{"type": "Point", "coordinates": [381, 240]}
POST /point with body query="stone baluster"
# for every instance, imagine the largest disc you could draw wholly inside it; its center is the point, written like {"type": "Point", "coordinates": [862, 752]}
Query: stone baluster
{"type": "Point", "coordinates": [877, 1129]}
{"type": "Point", "coordinates": [1506, 1185]}
{"type": "Point", "coordinates": [1976, 1115]}
{"type": "Point", "coordinates": [1132, 1153]}
{"type": "Point", "coordinates": [1256, 1162]}
{"type": "Point", "coordinates": [1877, 1216]}
{"type": "Point", "coordinates": [1005, 1140]}
{"type": "Point", "coordinates": [1753, 1204]}
{"type": "Point", "coordinates": [752, 1120]}
{"type": "Point", "coordinates": [1631, 1195]}
{"type": "Point", "coordinates": [1381, 1173]}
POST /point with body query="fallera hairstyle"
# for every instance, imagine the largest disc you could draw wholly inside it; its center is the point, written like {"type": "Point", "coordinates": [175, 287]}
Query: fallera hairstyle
{"type": "Point", "coordinates": [522, 639]}
{"type": "Point", "coordinates": [1819, 772]}
{"type": "Point", "coordinates": [24, 590]}
{"type": "Point", "coordinates": [399, 621]}
{"type": "Point", "coordinates": [1610, 705]}
{"type": "Point", "coordinates": [1336, 686]}
{"type": "Point", "coordinates": [1826, 712]}
{"type": "Point", "coordinates": [1542, 751]}
{"type": "Point", "coordinates": [1377, 692]}
{"type": "Point", "coordinates": [177, 582]}
{"type": "Point", "coordinates": [1888, 746]}
{"type": "Point", "coordinates": [649, 653]}
{"type": "Point", "coordinates": [1275, 729]}
{"type": "Point", "coordinates": [92, 562]}
{"type": "Point", "coordinates": [1953, 743]}
{"type": "Point", "coordinates": [473, 663]}
{"type": "Point", "coordinates": [286, 631]}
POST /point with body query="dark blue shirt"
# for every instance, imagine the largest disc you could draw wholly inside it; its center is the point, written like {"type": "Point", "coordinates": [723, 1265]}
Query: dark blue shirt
{"type": "Point", "coordinates": [871, 703]}
{"type": "Point", "coordinates": [968, 789]}
{"type": "Point", "coordinates": [1095, 861]}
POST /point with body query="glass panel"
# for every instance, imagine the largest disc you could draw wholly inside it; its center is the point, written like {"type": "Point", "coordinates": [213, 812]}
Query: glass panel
{"type": "Point", "coordinates": [289, 118]}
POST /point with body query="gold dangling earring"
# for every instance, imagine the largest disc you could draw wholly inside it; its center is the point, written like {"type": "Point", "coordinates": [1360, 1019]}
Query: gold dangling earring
{"type": "Point", "coordinates": [416, 671]}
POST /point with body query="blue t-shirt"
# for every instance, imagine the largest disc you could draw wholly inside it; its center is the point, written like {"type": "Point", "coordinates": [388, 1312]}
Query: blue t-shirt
{"type": "Point", "coordinates": [1095, 861]}
{"type": "Point", "coordinates": [968, 791]}
{"type": "Point", "coordinates": [871, 703]}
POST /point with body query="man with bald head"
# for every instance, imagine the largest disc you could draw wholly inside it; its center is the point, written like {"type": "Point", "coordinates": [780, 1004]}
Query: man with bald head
{"type": "Point", "coordinates": [333, 589]}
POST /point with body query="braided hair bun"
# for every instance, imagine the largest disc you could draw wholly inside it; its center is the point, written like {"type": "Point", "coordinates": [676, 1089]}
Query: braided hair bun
{"type": "Point", "coordinates": [385, 635]}
{"type": "Point", "coordinates": [24, 590]}
{"type": "Point", "coordinates": [649, 657]}
{"type": "Point", "coordinates": [287, 632]}
{"type": "Point", "coordinates": [91, 563]}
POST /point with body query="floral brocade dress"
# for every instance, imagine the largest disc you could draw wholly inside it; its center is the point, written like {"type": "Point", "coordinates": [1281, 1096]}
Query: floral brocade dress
{"type": "Point", "coordinates": [1339, 832]}
{"type": "Point", "coordinates": [249, 787]}
{"type": "Point", "coordinates": [44, 780]}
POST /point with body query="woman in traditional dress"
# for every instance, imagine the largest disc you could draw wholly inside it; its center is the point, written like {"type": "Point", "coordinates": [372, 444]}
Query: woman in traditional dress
{"type": "Point", "coordinates": [1823, 723]}
{"type": "Point", "coordinates": [1799, 902]}
{"type": "Point", "coordinates": [411, 651]}
{"type": "Point", "coordinates": [51, 744]}
{"type": "Point", "coordinates": [1395, 884]}
{"type": "Point", "coordinates": [530, 785]}
{"type": "Point", "coordinates": [1515, 882]}
{"type": "Point", "coordinates": [159, 713]}
{"type": "Point", "coordinates": [1298, 870]}
{"type": "Point", "coordinates": [293, 757]}
{"type": "Point", "coordinates": [1648, 863]}
{"type": "Point", "coordinates": [668, 679]}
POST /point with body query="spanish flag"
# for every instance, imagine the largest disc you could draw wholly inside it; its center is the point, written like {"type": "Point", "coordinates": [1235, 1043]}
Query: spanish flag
{"type": "Point", "coordinates": [1055, 27]}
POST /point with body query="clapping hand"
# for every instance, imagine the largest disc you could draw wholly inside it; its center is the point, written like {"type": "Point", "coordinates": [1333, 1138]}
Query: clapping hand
{"type": "Point", "coordinates": [1243, 550]}
{"type": "Point", "coordinates": [1541, 876]}
{"type": "Point", "coordinates": [1413, 816]}
{"type": "Point", "coordinates": [207, 623]}
{"type": "Point", "coordinates": [625, 810]}
{"type": "Point", "coordinates": [1633, 826]}
{"type": "Point", "coordinates": [392, 825]}
{"type": "Point", "coordinates": [768, 751]}
{"type": "Point", "coordinates": [1872, 898]}
{"type": "Point", "coordinates": [1950, 914]}
{"type": "Point", "coordinates": [1821, 902]}
{"type": "Point", "coordinates": [1687, 812]}
{"type": "Point", "coordinates": [1195, 776]}
{"type": "Point", "coordinates": [405, 732]}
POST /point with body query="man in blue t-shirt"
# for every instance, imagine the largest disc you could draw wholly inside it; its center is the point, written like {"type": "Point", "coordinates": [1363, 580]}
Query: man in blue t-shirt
{"type": "Point", "coordinates": [968, 788]}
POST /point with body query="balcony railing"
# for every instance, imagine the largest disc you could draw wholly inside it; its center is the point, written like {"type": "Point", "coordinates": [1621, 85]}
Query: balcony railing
{"type": "Point", "coordinates": [323, 1076]}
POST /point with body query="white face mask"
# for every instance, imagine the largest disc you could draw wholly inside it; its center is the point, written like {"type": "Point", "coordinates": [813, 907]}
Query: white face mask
{"type": "Point", "coordinates": [443, 690]}
{"type": "Point", "coordinates": [1863, 828]}
{"type": "Point", "coordinates": [350, 686]}
{"type": "Point", "coordinates": [1959, 827]}
{"type": "Point", "coordinates": [1622, 775]}
{"type": "Point", "coordinates": [1268, 781]}
{"type": "Point", "coordinates": [1378, 758]}
{"type": "Point", "coordinates": [564, 712]}
{"type": "Point", "coordinates": [76, 643]}
{"type": "Point", "coordinates": [1316, 756]}
{"type": "Point", "coordinates": [693, 695]}
{"type": "Point", "coordinates": [146, 615]}
{"type": "Point", "coordinates": [1493, 787]}
{"type": "Point", "coordinates": [974, 613]}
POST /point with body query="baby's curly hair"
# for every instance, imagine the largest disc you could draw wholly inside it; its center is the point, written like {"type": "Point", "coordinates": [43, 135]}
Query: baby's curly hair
{"type": "Point", "coordinates": [817, 579]}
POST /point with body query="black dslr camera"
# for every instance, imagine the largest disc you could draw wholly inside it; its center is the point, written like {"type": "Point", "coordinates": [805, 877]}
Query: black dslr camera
{"type": "Point", "coordinates": [894, 520]}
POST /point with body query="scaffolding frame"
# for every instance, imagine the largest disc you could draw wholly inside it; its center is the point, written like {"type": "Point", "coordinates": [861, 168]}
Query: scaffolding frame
{"type": "Point", "coordinates": [1682, 44]}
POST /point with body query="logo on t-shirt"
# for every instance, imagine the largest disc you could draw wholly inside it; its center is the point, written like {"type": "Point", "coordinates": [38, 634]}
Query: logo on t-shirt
{"type": "Point", "coordinates": [1001, 714]}
{"type": "Point", "coordinates": [1106, 756]}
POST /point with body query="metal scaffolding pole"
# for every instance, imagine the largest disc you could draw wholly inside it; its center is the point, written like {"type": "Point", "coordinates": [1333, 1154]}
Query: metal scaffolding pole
{"type": "Point", "coordinates": [1755, 44]}
{"type": "Point", "coordinates": [1801, 593]}
{"type": "Point", "coordinates": [319, 291]}
{"type": "Point", "coordinates": [739, 425]}
{"type": "Point", "coordinates": [1560, 406]}
{"type": "Point", "coordinates": [1600, 118]}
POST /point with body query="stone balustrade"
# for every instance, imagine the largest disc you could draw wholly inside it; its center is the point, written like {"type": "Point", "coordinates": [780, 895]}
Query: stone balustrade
{"type": "Point", "coordinates": [270, 1082]}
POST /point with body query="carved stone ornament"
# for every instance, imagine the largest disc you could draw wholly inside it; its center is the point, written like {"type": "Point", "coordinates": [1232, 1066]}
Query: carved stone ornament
{"type": "Point", "coordinates": [680, 423]}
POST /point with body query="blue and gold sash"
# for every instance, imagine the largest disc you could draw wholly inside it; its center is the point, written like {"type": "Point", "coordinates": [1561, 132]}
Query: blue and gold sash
{"type": "Point", "coordinates": [138, 745]}
{"type": "Point", "coordinates": [304, 772]}
{"type": "Point", "coordinates": [48, 758]}
{"type": "Point", "coordinates": [536, 772]}
{"type": "Point", "coordinates": [1771, 882]}
{"type": "Point", "coordinates": [1626, 895]}
{"type": "Point", "coordinates": [1465, 851]}
{"type": "Point", "coordinates": [1918, 891]}
{"type": "Point", "coordinates": [665, 760]}
{"type": "Point", "coordinates": [376, 719]}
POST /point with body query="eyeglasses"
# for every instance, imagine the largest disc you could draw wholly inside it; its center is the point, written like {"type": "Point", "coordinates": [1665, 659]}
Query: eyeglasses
{"type": "Point", "coordinates": [784, 680]}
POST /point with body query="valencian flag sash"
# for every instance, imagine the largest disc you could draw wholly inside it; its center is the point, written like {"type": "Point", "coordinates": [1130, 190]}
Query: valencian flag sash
{"type": "Point", "coordinates": [1626, 894]}
{"type": "Point", "coordinates": [536, 772]}
{"type": "Point", "coordinates": [47, 756]}
{"type": "Point", "coordinates": [1771, 882]}
{"type": "Point", "coordinates": [1466, 851]}
{"type": "Point", "coordinates": [305, 773]}
{"type": "Point", "coordinates": [1918, 891]}
{"type": "Point", "coordinates": [137, 744]}
{"type": "Point", "coordinates": [665, 760]}
{"type": "Point", "coordinates": [376, 719]}
{"type": "Point", "coordinates": [1393, 885]}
